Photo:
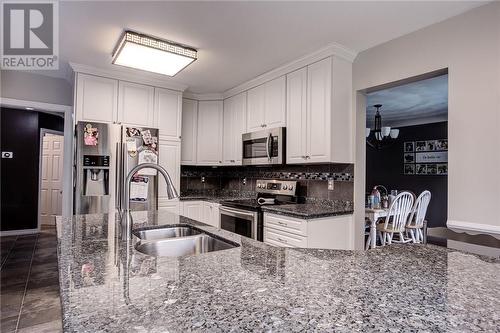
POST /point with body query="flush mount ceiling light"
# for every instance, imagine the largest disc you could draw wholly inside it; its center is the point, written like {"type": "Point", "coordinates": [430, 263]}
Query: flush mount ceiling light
{"type": "Point", "coordinates": [152, 54]}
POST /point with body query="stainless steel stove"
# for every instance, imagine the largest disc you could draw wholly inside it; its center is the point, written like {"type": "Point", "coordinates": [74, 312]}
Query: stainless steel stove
{"type": "Point", "coordinates": [245, 216]}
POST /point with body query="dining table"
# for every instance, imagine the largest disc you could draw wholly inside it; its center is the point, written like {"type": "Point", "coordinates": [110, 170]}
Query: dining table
{"type": "Point", "coordinates": [373, 215]}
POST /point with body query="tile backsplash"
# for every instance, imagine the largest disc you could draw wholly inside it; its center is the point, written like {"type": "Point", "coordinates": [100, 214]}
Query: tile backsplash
{"type": "Point", "coordinates": [312, 180]}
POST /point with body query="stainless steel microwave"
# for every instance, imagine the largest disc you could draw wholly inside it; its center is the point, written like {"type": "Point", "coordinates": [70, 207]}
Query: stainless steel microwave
{"type": "Point", "coordinates": [264, 147]}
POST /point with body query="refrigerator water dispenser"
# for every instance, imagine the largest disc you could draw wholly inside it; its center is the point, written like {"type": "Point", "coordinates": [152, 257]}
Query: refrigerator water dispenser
{"type": "Point", "coordinates": [95, 175]}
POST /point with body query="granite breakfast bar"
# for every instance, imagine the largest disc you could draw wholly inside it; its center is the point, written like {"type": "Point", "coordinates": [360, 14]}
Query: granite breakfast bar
{"type": "Point", "coordinates": [108, 286]}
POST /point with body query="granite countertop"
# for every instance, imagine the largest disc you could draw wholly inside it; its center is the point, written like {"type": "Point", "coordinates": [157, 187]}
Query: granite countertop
{"type": "Point", "coordinates": [309, 210]}
{"type": "Point", "coordinates": [108, 286]}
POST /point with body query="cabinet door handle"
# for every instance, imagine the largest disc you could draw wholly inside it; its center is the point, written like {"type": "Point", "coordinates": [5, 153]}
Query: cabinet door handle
{"type": "Point", "coordinates": [282, 240]}
{"type": "Point", "coordinates": [281, 223]}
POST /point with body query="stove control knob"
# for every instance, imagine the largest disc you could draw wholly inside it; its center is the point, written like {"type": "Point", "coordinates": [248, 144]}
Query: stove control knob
{"type": "Point", "coordinates": [290, 187]}
{"type": "Point", "coordinates": [285, 187]}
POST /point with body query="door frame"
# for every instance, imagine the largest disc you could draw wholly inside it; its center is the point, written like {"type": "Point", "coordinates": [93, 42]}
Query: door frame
{"type": "Point", "coordinates": [44, 131]}
{"type": "Point", "coordinates": [67, 110]}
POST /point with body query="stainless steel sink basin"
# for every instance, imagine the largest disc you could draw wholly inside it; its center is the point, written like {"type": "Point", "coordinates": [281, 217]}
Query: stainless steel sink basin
{"type": "Point", "coordinates": [166, 232]}
{"type": "Point", "coordinates": [176, 247]}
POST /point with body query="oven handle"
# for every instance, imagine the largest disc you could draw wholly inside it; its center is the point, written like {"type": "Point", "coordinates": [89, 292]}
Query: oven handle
{"type": "Point", "coordinates": [270, 136]}
{"type": "Point", "coordinates": [237, 213]}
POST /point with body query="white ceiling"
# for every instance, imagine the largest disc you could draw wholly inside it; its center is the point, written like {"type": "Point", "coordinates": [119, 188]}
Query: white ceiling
{"type": "Point", "coordinates": [415, 103]}
{"type": "Point", "coordinates": [238, 41]}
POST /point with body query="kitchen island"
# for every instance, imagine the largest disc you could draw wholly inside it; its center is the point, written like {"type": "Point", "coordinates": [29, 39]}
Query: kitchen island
{"type": "Point", "coordinates": [108, 286]}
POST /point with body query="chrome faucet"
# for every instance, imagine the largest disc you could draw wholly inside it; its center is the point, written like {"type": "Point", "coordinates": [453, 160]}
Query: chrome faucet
{"type": "Point", "coordinates": [171, 193]}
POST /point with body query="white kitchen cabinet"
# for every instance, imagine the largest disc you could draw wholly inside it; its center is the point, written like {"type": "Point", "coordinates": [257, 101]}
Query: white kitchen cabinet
{"type": "Point", "coordinates": [274, 105]}
{"type": "Point", "coordinates": [169, 158]}
{"type": "Point", "coordinates": [96, 98]}
{"type": "Point", "coordinates": [136, 104]}
{"type": "Point", "coordinates": [189, 131]}
{"type": "Point", "coordinates": [168, 113]}
{"type": "Point", "coordinates": [319, 113]}
{"type": "Point", "coordinates": [296, 116]}
{"type": "Point", "coordinates": [192, 209]}
{"type": "Point", "coordinates": [210, 214]}
{"type": "Point", "coordinates": [333, 232]}
{"type": "Point", "coordinates": [209, 136]}
{"type": "Point", "coordinates": [234, 125]}
{"type": "Point", "coordinates": [171, 206]}
{"type": "Point", "coordinates": [255, 108]}
{"type": "Point", "coordinates": [266, 105]}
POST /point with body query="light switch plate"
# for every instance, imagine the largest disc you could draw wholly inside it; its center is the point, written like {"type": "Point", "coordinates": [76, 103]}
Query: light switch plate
{"type": "Point", "coordinates": [331, 185]}
{"type": "Point", "coordinates": [7, 154]}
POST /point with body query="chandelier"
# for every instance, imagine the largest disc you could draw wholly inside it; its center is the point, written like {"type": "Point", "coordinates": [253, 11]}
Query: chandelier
{"type": "Point", "coordinates": [381, 136]}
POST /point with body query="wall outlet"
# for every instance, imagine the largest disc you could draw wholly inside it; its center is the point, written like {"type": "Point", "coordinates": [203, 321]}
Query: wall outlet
{"type": "Point", "coordinates": [331, 185]}
{"type": "Point", "coordinates": [202, 179]}
{"type": "Point", "coordinates": [244, 181]}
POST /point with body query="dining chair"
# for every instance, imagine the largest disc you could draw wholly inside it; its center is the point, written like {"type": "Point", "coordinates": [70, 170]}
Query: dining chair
{"type": "Point", "coordinates": [416, 219]}
{"type": "Point", "coordinates": [397, 216]}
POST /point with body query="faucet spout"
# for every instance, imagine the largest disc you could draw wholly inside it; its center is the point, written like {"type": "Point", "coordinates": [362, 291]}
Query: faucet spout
{"type": "Point", "coordinates": [171, 192]}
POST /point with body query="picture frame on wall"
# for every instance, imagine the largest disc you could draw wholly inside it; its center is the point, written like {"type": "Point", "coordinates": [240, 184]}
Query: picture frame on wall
{"type": "Point", "coordinates": [442, 169]}
{"type": "Point", "coordinates": [430, 145]}
{"type": "Point", "coordinates": [420, 145]}
{"type": "Point", "coordinates": [431, 169]}
{"type": "Point", "coordinates": [409, 146]}
{"type": "Point", "coordinates": [409, 158]}
{"type": "Point", "coordinates": [420, 169]}
{"type": "Point", "coordinates": [442, 144]}
{"type": "Point", "coordinates": [409, 169]}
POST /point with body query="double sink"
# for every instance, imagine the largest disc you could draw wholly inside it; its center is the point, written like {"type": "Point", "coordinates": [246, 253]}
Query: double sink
{"type": "Point", "coordinates": [177, 241]}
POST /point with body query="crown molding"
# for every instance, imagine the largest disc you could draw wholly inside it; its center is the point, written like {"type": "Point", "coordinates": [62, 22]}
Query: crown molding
{"type": "Point", "coordinates": [333, 49]}
{"type": "Point", "coordinates": [126, 75]}
{"type": "Point", "coordinates": [203, 97]}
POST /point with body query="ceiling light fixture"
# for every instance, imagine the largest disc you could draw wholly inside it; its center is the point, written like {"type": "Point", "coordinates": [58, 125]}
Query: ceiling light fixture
{"type": "Point", "coordinates": [152, 54]}
{"type": "Point", "coordinates": [383, 136]}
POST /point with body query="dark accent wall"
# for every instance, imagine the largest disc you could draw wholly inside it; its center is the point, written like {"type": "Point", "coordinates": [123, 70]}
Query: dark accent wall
{"type": "Point", "coordinates": [312, 180]}
{"type": "Point", "coordinates": [19, 175]}
{"type": "Point", "coordinates": [385, 167]}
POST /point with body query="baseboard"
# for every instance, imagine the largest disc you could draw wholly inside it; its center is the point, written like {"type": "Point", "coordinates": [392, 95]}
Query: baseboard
{"type": "Point", "coordinates": [19, 232]}
{"type": "Point", "coordinates": [474, 228]}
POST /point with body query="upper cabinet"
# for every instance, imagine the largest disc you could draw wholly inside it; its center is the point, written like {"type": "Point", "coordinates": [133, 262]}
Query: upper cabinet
{"type": "Point", "coordinates": [136, 104]}
{"type": "Point", "coordinates": [319, 113]}
{"type": "Point", "coordinates": [209, 136]}
{"type": "Point", "coordinates": [96, 98]}
{"type": "Point", "coordinates": [234, 125]}
{"type": "Point", "coordinates": [189, 131]}
{"type": "Point", "coordinates": [266, 105]}
{"type": "Point", "coordinates": [168, 113]}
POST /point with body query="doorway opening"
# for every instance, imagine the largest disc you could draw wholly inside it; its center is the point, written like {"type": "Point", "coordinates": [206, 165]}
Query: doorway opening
{"type": "Point", "coordinates": [51, 176]}
{"type": "Point", "coordinates": [407, 147]}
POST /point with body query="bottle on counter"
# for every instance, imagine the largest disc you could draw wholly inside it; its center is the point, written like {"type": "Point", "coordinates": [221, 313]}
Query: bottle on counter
{"type": "Point", "coordinates": [385, 202]}
{"type": "Point", "coordinates": [392, 196]}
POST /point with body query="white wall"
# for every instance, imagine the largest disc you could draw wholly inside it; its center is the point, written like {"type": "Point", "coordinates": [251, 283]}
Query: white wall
{"type": "Point", "coordinates": [469, 46]}
{"type": "Point", "coordinates": [35, 87]}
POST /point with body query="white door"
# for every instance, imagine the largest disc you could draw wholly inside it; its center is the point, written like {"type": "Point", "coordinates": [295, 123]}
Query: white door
{"type": "Point", "coordinates": [296, 115]}
{"type": "Point", "coordinates": [319, 95]}
{"type": "Point", "coordinates": [51, 178]}
{"type": "Point", "coordinates": [168, 110]}
{"type": "Point", "coordinates": [274, 103]}
{"type": "Point", "coordinates": [136, 104]}
{"type": "Point", "coordinates": [189, 131]}
{"type": "Point", "coordinates": [209, 147]}
{"type": "Point", "coordinates": [255, 108]}
{"type": "Point", "coordinates": [96, 98]}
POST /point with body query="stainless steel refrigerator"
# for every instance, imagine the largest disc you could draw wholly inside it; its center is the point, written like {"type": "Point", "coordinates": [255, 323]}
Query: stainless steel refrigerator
{"type": "Point", "coordinates": [104, 155]}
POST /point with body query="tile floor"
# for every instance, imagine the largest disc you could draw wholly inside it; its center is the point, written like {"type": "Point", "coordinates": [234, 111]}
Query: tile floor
{"type": "Point", "coordinates": [29, 284]}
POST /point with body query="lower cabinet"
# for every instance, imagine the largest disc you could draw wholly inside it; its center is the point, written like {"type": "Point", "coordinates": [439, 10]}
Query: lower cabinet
{"type": "Point", "coordinates": [202, 211]}
{"type": "Point", "coordinates": [169, 205]}
{"type": "Point", "coordinates": [211, 214]}
{"type": "Point", "coordinates": [333, 232]}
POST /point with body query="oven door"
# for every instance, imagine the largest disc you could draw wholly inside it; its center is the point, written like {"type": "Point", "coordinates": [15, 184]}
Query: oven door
{"type": "Point", "coordinates": [239, 221]}
{"type": "Point", "coordinates": [263, 147]}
